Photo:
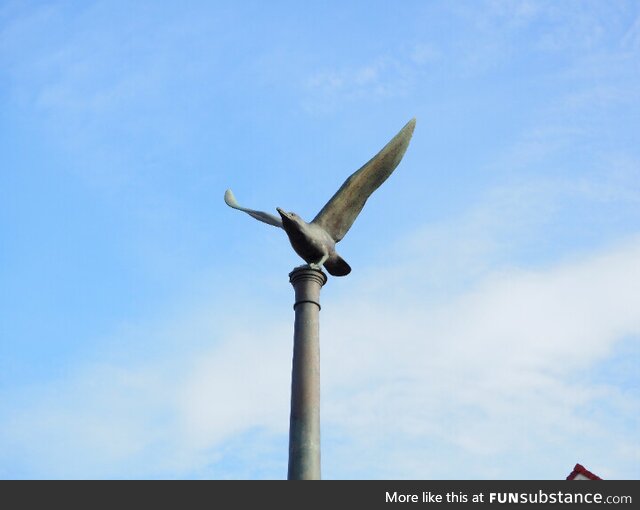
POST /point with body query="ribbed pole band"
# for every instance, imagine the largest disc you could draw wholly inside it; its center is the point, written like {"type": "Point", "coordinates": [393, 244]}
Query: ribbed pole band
{"type": "Point", "coordinates": [307, 283]}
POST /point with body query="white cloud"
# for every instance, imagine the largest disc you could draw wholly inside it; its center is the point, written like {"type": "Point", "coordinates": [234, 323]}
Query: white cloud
{"type": "Point", "coordinates": [492, 380]}
{"type": "Point", "coordinates": [241, 385]}
{"type": "Point", "coordinates": [502, 369]}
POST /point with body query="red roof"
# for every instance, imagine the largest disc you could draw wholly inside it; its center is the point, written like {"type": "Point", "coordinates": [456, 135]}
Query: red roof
{"type": "Point", "coordinates": [580, 470]}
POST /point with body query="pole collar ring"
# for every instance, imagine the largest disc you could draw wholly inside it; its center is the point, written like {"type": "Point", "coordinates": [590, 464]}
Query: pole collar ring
{"type": "Point", "coordinates": [307, 301]}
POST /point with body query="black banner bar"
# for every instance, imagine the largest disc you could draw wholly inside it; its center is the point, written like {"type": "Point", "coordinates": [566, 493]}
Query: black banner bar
{"type": "Point", "coordinates": [414, 495]}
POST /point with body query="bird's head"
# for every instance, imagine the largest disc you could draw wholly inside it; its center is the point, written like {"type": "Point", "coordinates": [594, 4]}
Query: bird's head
{"type": "Point", "coordinates": [290, 220]}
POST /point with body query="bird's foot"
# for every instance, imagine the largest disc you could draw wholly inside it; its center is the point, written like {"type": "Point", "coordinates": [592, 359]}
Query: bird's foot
{"type": "Point", "coordinates": [318, 265]}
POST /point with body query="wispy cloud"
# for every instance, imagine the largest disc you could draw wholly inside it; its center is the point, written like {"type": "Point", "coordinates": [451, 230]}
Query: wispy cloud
{"type": "Point", "coordinates": [386, 76]}
{"type": "Point", "coordinates": [631, 39]}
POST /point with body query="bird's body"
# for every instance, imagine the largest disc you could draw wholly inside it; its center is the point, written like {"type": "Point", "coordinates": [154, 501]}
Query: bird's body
{"type": "Point", "coordinates": [315, 242]}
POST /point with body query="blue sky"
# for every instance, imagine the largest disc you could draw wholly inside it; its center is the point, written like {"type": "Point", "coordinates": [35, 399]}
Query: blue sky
{"type": "Point", "coordinates": [490, 326]}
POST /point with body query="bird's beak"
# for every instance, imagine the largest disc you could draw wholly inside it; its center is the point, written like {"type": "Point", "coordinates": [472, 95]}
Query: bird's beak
{"type": "Point", "coordinates": [283, 214]}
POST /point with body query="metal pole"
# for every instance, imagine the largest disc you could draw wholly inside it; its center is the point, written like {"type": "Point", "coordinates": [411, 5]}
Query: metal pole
{"type": "Point", "coordinates": [304, 423]}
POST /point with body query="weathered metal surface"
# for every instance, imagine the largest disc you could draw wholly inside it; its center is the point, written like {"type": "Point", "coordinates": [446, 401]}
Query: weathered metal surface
{"type": "Point", "coordinates": [315, 242]}
{"type": "Point", "coordinates": [304, 422]}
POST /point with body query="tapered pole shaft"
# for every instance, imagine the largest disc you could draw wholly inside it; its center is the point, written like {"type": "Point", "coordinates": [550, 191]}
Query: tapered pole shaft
{"type": "Point", "coordinates": [304, 423]}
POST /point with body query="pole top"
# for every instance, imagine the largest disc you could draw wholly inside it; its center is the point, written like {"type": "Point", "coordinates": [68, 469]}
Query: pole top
{"type": "Point", "coordinates": [307, 273]}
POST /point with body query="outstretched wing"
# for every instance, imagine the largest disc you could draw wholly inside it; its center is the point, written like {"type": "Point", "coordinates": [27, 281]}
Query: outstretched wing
{"type": "Point", "coordinates": [339, 213]}
{"type": "Point", "coordinates": [231, 201]}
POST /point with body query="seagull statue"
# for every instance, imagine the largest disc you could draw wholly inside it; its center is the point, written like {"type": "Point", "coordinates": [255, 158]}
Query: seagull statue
{"type": "Point", "coordinates": [316, 242]}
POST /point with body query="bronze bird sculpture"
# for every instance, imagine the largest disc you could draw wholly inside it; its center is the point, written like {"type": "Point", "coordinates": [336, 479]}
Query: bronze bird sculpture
{"type": "Point", "coordinates": [316, 241]}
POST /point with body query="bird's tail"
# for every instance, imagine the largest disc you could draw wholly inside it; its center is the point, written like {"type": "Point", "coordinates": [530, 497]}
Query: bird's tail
{"type": "Point", "coordinates": [337, 266]}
